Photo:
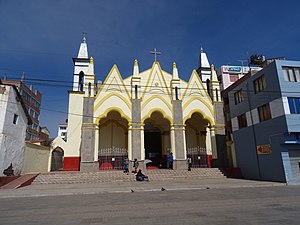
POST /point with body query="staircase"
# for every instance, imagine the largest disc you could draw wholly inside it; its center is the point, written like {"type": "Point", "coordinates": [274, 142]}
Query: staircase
{"type": "Point", "coordinates": [119, 176]}
{"type": "Point", "coordinates": [19, 182]}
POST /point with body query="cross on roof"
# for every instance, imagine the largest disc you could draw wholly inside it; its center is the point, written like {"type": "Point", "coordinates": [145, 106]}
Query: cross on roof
{"type": "Point", "coordinates": [155, 54]}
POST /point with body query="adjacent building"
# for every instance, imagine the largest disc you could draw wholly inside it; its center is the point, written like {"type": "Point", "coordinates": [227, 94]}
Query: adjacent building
{"type": "Point", "coordinates": [14, 119]}
{"type": "Point", "coordinates": [230, 74]}
{"type": "Point", "coordinates": [62, 131]}
{"type": "Point", "coordinates": [32, 100]}
{"type": "Point", "coordinates": [264, 111]}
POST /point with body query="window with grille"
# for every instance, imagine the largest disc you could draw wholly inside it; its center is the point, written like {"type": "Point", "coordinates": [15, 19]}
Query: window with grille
{"type": "Point", "coordinates": [242, 120]}
{"type": "Point", "coordinates": [294, 104]}
{"type": "Point", "coordinates": [264, 112]}
{"type": "Point", "coordinates": [238, 97]}
{"type": "Point", "coordinates": [291, 74]}
{"type": "Point", "coordinates": [259, 84]}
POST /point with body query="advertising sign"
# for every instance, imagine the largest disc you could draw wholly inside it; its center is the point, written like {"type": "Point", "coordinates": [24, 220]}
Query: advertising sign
{"type": "Point", "coordinates": [232, 69]}
{"type": "Point", "coordinates": [263, 149]}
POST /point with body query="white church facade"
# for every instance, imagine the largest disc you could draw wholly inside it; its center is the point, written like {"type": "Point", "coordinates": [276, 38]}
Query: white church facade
{"type": "Point", "coordinates": [146, 116]}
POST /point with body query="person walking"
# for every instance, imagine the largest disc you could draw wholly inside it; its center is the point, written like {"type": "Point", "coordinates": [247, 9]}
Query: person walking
{"type": "Point", "coordinates": [126, 164]}
{"type": "Point", "coordinates": [171, 161]}
{"type": "Point", "coordinates": [135, 165]}
{"type": "Point", "coordinates": [189, 161]}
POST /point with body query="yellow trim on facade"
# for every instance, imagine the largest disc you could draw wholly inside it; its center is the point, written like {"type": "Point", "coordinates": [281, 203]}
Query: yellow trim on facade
{"type": "Point", "coordinates": [210, 120]}
{"type": "Point", "coordinates": [110, 86]}
{"type": "Point", "coordinates": [123, 115]}
{"type": "Point", "coordinates": [135, 128]}
{"type": "Point", "coordinates": [164, 86]}
{"type": "Point", "coordinates": [177, 124]}
{"type": "Point", "coordinates": [115, 67]}
{"type": "Point", "coordinates": [195, 74]}
{"type": "Point", "coordinates": [157, 110]}
{"type": "Point", "coordinates": [209, 107]}
{"type": "Point", "coordinates": [108, 96]}
{"type": "Point", "coordinates": [113, 122]}
{"type": "Point", "coordinates": [159, 97]}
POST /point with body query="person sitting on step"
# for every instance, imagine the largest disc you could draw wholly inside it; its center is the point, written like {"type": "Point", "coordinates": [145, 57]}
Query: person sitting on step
{"type": "Point", "coordinates": [141, 177]}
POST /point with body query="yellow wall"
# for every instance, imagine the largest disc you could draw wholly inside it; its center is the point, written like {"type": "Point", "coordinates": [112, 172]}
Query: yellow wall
{"type": "Point", "coordinates": [36, 159]}
{"type": "Point", "coordinates": [74, 124]}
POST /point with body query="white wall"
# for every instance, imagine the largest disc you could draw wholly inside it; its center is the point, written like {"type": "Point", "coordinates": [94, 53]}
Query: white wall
{"type": "Point", "coordinates": [12, 136]}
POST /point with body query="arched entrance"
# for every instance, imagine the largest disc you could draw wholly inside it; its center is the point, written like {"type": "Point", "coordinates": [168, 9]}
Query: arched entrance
{"type": "Point", "coordinates": [198, 141]}
{"type": "Point", "coordinates": [57, 159]}
{"type": "Point", "coordinates": [157, 140]}
{"type": "Point", "coordinates": [113, 141]}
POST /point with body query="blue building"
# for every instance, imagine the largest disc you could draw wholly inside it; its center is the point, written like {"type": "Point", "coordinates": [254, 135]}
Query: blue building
{"type": "Point", "coordinates": [265, 119]}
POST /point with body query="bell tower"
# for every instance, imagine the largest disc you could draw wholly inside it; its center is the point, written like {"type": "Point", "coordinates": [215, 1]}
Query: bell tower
{"type": "Point", "coordinates": [81, 66]}
{"type": "Point", "coordinates": [204, 66]}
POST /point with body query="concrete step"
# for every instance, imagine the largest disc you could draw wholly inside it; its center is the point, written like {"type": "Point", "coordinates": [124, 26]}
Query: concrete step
{"type": "Point", "coordinates": [119, 176]}
{"type": "Point", "coordinates": [22, 181]}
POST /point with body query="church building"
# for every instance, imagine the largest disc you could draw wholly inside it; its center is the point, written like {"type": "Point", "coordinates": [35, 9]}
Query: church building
{"type": "Point", "coordinates": [146, 116]}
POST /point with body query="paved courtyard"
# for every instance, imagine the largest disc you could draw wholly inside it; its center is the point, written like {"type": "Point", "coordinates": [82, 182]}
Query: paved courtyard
{"type": "Point", "coordinates": [169, 198]}
{"type": "Point", "coordinates": [222, 205]}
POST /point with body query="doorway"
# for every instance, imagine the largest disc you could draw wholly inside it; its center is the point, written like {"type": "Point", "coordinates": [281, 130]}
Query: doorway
{"type": "Point", "coordinates": [57, 158]}
{"type": "Point", "coordinates": [153, 146]}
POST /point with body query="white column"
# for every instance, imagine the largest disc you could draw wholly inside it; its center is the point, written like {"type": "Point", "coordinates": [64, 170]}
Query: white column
{"type": "Point", "coordinates": [213, 143]}
{"type": "Point", "coordinates": [129, 143]}
{"type": "Point", "coordinates": [96, 150]}
{"type": "Point", "coordinates": [142, 143]}
{"type": "Point", "coordinates": [172, 134]}
{"type": "Point", "coordinates": [184, 143]}
{"type": "Point", "coordinates": [208, 142]}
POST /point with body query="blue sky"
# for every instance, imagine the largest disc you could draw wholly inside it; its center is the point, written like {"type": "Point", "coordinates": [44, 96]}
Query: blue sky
{"type": "Point", "coordinates": [40, 37]}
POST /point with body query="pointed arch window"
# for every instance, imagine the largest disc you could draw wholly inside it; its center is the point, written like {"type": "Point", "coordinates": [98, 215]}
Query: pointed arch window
{"type": "Point", "coordinates": [81, 80]}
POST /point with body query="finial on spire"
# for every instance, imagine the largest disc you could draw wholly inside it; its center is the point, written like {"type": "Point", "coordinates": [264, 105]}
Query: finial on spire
{"type": "Point", "coordinates": [214, 76]}
{"type": "Point", "coordinates": [84, 37]}
{"type": "Point", "coordinates": [136, 68]}
{"type": "Point", "coordinates": [91, 60]}
{"type": "Point", "coordinates": [175, 71]}
{"type": "Point", "coordinates": [201, 49]}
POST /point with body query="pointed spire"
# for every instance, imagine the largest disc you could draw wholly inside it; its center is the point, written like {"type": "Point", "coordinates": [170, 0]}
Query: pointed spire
{"type": "Point", "coordinates": [83, 50]}
{"type": "Point", "coordinates": [203, 60]}
{"type": "Point", "coordinates": [203, 70]}
{"type": "Point", "coordinates": [136, 68]}
{"type": "Point", "coordinates": [175, 71]}
{"type": "Point", "coordinates": [214, 76]}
